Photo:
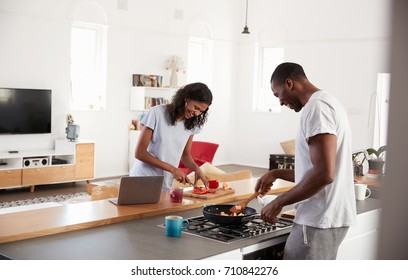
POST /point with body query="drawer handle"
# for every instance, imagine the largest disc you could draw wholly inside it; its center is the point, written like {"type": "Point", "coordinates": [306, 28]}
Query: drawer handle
{"type": "Point", "coordinates": [38, 170]}
{"type": "Point", "coordinates": [8, 171]}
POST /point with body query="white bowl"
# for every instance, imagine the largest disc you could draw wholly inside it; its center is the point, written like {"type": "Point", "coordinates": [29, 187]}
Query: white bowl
{"type": "Point", "coordinates": [266, 199]}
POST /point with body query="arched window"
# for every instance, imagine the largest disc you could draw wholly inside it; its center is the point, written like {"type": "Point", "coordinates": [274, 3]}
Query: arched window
{"type": "Point", "coordinates": [88, 57]}
{"type": "Point", "coordinates": [268, 58]}
{"type": "Point", "coordinates": [270, 52]}
{"type": "Point", "coordinates": [199, 54]}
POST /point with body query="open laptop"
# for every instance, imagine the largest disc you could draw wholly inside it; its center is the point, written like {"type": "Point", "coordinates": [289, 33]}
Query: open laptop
{"type": "Point", "coordinates": [139, 190]}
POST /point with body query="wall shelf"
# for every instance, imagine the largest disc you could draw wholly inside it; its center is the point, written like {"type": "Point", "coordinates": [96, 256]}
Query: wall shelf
{"type": "Point", "coordinates": [139, 97]}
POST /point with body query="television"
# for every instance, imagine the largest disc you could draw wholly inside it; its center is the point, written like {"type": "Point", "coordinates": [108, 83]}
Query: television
{"type": "Point", "coordinates": [25, 111]}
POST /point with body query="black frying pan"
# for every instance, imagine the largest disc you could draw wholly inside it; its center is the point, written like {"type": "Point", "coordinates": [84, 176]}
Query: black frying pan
{"type": "Point", "coordinates": [212, 214]}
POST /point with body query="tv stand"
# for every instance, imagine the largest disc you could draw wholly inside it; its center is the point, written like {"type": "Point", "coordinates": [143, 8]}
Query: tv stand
{"type": "Point", "coordinates": [70, 161]}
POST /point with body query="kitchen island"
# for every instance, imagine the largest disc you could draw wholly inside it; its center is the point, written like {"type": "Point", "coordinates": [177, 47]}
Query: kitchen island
{"type": "Point", "coordinates": [76, 216]}
{"type": "Point", "coordinates": [141, 239]}
{"type": "Point", "coordinates": [133, 236]}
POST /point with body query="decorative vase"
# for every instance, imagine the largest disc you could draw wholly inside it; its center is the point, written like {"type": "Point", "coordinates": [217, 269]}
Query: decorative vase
{"type": "Point", "coordinates": [173, 78]}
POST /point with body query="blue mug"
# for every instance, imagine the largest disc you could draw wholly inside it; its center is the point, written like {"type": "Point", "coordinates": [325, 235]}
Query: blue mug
{"type": "Point", "coordinates": [174, 225]}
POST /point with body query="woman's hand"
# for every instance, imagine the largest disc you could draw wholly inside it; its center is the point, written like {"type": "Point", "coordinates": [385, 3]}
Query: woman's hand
{"type": "Point", "coordinates": [180, 176]}
{"type": "Point", "coordinates": [199, 174]}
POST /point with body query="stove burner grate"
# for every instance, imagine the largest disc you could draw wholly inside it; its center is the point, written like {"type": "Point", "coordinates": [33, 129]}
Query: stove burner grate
{"type": "Point", "coordinates": [200, 226]}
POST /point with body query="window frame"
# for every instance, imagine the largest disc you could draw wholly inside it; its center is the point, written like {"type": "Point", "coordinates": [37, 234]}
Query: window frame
{"type": "Point", "coordinates": [206, 61]}
{"type": "Point", "coordinates": [262, 93]}
{"type": "Point", "coordinates": [97, 100]}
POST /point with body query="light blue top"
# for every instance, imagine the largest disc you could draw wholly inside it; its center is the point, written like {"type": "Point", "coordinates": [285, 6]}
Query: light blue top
{"type": "Point", "coordinates": [167, 143]}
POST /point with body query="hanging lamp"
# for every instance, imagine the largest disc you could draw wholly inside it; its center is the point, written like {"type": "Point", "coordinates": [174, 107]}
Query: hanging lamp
{"type": "Point", "coordinates": [246, 30]}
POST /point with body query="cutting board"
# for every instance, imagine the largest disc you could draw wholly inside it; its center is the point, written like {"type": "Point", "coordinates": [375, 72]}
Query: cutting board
{"type": "Point", "coordinates": [219, 192]}
{"type": "Point", "coordinates": [289, 214]}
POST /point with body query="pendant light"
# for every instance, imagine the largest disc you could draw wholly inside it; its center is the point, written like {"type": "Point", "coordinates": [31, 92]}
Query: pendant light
{"type": "Point", "coordinates": [246, 30]}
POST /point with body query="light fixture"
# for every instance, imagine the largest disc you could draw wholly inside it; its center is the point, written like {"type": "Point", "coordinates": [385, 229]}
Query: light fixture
{"type": "Point", "coordinates": [246, 30]}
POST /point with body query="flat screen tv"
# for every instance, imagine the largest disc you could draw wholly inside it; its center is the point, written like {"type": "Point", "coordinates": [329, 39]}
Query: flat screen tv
{"type": "Point", "coordinates": [25, 111]}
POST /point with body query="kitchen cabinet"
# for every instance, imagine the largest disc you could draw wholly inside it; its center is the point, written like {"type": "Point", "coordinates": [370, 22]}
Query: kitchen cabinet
{"type": "Point", "coordinates": [360, 242]}
{"type": "Point", "coordinates": [230, 255]}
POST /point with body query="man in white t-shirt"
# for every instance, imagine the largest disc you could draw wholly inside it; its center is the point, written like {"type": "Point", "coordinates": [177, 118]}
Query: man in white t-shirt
{"type": "Point", "coordinates": [324, 191]}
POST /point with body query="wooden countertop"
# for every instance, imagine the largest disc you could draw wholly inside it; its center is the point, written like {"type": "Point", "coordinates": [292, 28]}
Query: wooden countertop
{"type": "Point", "coordinates": [71, 217]}
{"type": "Point", "coordinates": [373, 182]}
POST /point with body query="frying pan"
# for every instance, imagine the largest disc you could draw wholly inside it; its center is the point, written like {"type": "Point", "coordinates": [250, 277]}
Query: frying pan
{"type": "Point", "coordinates": [212, 214]}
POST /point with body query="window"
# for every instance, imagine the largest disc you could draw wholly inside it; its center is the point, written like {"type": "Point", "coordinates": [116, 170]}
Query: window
{"type": "Point", "coordinates": [199, 52]}
{"type": "Point", "coordinates": [381, 109]}
{"type": "Point", "coordinates": [268, 59]}
{"type": "Point", "coordinates": [88, 66]}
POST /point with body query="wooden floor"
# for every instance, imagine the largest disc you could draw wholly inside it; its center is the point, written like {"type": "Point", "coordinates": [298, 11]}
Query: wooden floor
{"type": "Point", "coordinates": [12, 194]}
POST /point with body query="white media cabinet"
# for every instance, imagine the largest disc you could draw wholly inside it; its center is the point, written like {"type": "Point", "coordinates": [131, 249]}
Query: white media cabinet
{"type": "Point", "coordinates": [70, 161]}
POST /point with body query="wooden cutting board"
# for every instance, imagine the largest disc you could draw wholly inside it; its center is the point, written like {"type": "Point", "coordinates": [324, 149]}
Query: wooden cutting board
{"type": "Point", "coordinates": [289, 214]}
{"type": "Point", "coordinates": [219, 192]}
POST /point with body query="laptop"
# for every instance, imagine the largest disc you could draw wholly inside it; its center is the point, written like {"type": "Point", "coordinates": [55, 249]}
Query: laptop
{"type": "Point", "coordinates": [139, 190]}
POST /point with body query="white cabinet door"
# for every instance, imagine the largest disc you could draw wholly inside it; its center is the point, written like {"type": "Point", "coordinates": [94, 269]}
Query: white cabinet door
{"type": "Point", "coordinates": [360, 242]}
{"type": "Point", "coordinates": [230, 255]}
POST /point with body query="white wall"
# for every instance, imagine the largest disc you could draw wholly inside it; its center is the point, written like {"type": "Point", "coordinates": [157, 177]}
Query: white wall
{"type": "Point", "coordinates": [342, 45]}
{"type": "Point", "coordinates": [341, 48]}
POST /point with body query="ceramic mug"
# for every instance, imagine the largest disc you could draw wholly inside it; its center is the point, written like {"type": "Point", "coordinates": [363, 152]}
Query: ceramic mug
{"type": "Point", "coordinates": [362, 192]}
{"type": "Point", "coordinates": [176, 194]}
{"type": "Point", "coordinates": [174, 225]}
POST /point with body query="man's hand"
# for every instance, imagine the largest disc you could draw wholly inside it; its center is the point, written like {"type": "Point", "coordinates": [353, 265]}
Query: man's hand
{"type": "Point", "coordinates": [270, 212]}
{"type": "Point", "coordinates": [264, 183]}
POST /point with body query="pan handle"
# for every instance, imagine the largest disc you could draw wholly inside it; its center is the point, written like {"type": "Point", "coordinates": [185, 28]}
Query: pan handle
{"type": "Point", "coordinates": [248, 218]}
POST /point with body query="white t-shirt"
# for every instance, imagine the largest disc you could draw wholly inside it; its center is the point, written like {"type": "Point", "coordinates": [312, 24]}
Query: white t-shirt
{"type": "Point", "coordinates": [334, 205]}
{"type": "Point", "coordinates": [167, 143]}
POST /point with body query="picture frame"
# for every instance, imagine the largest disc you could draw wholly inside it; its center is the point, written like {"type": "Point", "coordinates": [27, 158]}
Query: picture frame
{"type": "Point", "coordinates": [142, 80]}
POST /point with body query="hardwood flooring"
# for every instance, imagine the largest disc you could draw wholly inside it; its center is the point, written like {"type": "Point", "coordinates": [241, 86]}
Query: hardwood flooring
{"type": "Point", "coordinates": [12, 194]}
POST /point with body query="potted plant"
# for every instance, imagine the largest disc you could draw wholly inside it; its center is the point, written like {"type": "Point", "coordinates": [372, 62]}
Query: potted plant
{"type": "Point", "coordinates": [376, 160]}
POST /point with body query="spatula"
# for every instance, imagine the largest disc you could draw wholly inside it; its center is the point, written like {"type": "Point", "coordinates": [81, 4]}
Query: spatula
{"type": "Point", "coordinates": [238, 208]}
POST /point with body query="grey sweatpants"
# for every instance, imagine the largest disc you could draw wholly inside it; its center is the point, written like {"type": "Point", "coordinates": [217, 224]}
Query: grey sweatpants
{"type": "Point", "coordinates": [310, 243]}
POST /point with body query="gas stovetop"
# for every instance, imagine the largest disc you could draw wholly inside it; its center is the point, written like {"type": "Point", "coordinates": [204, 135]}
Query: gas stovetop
{"type": "Point", "coordinates": [200, 226]}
